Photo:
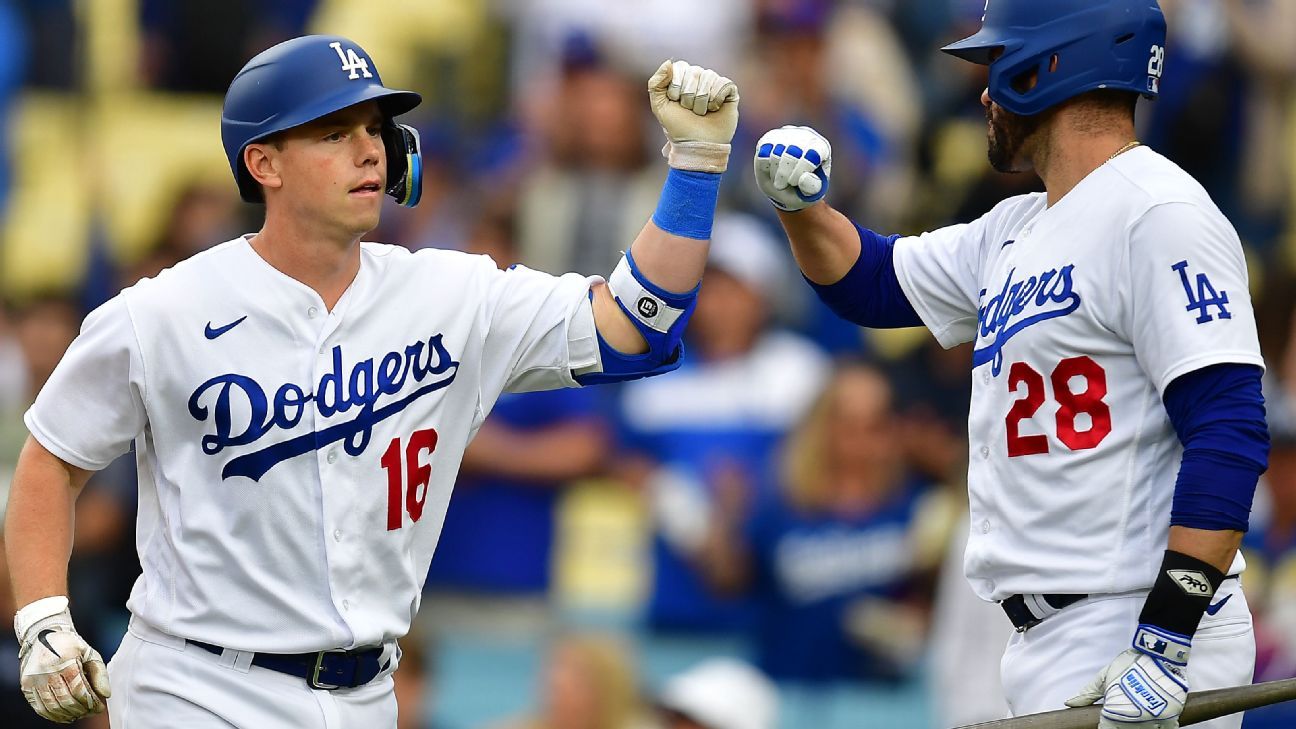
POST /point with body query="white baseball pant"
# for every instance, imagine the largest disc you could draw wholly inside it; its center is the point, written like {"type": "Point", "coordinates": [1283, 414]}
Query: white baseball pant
{"type": "Point", "coordinates": [1049, 663]}
{"type": "Point", "coordinates": [160, 682]}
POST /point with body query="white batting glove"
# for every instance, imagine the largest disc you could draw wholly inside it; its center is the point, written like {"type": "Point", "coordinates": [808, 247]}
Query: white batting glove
{"type": "Point", "coordinates": [1145, 687]}
{"type": "Point", "coordinates": [698, 110]}
{"type": "Point", "coordinates": [62, 677]}
{"type": "Point", "coordinates": [792, 167]}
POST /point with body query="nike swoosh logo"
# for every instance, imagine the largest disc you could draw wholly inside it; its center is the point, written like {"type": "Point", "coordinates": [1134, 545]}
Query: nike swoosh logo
{"type": "Point", "coordinates": [41, 637]}
{"type": "Point", "coordinates": [1212, 609]}
{"type": "Point", "coordinates": [213, 333]}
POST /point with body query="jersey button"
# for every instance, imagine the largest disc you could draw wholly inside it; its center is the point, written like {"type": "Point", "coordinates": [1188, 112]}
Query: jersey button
{"type": "Point", "coordinates": [985, 527]}
{"type": "Point", "coordinates": [332, 457]}
{"type": "Point", "coordinates": [337, 535]}
{"type": "Point", "coordinates": [985, 452]}
{"type": "Point", "coordinates": [312, 312]}
{"type": "Point", "coordinates": [346, 604]}
{"type": "Point", "coordinates": [985, 376]}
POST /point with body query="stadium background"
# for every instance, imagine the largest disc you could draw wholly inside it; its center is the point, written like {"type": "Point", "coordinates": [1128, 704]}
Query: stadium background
{"type": "Point", "coordinates": [576, 576]}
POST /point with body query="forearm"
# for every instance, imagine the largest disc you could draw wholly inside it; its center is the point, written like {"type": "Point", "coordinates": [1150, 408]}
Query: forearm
{"type": "Point", "coordinates": [673, 262]}
{"type": "Point", "coordinates": [1215, 548]}
{"type": "Point", "coordinates": [1218, 414]}
{"type": "Point", "coordinates": [824, 242]}
{"type": "Point", "coordinates": [38, 523]}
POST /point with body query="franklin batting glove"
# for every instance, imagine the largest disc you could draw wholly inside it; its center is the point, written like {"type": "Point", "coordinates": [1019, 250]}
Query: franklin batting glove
{"type": "Point", "coordinates": [1145, 686]}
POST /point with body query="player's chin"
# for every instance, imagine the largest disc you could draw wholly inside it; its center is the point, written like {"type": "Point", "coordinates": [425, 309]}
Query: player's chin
{"type": "Point", "coordinates": [357, 224]}
{"type": "Point", "coordinates": [364, 208]}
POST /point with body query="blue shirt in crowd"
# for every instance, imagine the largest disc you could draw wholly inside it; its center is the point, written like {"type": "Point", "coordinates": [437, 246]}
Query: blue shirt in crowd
{"type": "Point", "coordinates": [810, 570]}
{"type": "Point", "coordinates": [499, 533]}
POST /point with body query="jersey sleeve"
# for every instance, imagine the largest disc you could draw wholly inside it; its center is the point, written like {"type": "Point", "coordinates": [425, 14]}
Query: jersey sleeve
{"type": "Point", "coordinates": [92, 406]}
{"type": "Point", "coordinates": [539, 328]}
{"type": "Point", "coordinates": [939, 273]}
{"type": "Point", "coordinates": [1189, 303]}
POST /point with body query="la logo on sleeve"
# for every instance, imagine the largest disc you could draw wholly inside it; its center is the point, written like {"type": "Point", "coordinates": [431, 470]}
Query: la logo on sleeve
{"type": "Point", "coordinates": [1205, 296]}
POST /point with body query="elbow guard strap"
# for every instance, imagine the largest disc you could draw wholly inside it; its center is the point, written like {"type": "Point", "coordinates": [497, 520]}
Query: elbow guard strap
{"type": "Point", "coordinates": [657, 314]}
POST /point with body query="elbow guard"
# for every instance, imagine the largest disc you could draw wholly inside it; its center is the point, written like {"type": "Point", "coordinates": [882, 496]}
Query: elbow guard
{"type": "Point", "coordinates": [659, 316]}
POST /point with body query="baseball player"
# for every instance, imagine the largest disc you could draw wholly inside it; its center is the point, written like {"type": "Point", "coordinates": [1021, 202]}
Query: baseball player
{"type": "Point", "coordinates": [299, 402]}
{"type": "Point", "coordinates": [1117, 425]}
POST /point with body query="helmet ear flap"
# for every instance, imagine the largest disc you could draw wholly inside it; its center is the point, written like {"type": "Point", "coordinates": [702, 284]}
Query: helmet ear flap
{"type": "Point", "coordinates": [404, 163]}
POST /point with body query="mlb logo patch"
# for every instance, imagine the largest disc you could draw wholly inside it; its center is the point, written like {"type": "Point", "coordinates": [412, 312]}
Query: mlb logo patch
{"type": "Point", "coordinates": [1154, 85]}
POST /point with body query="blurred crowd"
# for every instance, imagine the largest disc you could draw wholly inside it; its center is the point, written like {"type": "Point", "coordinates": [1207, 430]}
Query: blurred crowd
{"type": "Point", "coordinates": [770, 536]}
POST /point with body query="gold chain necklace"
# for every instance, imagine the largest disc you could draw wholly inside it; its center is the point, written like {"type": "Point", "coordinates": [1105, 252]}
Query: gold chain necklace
{"type": "Point", "coordinates": [1128, 146]}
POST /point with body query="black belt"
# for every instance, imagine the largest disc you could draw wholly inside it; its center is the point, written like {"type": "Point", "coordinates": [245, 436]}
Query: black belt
{"type": "Point", "coordinates": [1025, 616]}
{"type": "Point", "coordinates": [326, 670]}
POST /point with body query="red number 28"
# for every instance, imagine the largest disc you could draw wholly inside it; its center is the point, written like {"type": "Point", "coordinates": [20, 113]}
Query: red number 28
{"type": "Point", "coordinates": [416, 476]}
{"type": "Point", "coordinates": [1070, 404]}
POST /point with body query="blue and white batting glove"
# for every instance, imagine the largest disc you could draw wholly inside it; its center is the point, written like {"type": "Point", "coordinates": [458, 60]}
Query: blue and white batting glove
{"type": "Point", "coordinates": [792, 167]}
{"type": "Point", "coordinates": [1145, 687]}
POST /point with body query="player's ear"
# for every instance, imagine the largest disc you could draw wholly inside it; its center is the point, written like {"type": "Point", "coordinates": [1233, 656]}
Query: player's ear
{"type": "Point", "coordinates": [262, 164]}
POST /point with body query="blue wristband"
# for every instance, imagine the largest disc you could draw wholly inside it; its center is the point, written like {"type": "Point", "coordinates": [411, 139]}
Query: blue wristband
{"type": "Point", "coordinates": [687, 204]}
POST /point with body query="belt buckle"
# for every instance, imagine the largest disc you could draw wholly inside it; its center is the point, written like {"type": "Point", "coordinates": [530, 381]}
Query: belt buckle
{"type": "Point", "coordinates": [313, 680]}
{"type": "Point", "coordinates": [1028, 625]}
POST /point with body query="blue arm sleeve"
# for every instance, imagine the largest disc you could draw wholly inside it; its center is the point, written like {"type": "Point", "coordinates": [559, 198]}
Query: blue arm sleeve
{"type": "Point", "coordinates": [869, 294]}
{"type": "Point", "coordinates": [1218, 413]}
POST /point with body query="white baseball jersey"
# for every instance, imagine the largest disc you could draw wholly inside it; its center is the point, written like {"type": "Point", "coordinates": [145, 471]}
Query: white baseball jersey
{"type": "Point", "coordinates": [295, 463]}
{"type": "Point", "coordinates": [1081, 313]}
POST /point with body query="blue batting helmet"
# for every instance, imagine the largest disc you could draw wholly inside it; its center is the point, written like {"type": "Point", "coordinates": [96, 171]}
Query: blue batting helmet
{"type": "Point", "coordinates": [303, 79]}
{"type": "Point", "coordinates": [1097, 44]}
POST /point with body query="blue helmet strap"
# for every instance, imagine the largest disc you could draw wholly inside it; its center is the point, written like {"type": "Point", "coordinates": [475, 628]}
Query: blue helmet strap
{"type": "Point", "coordinates": [404, 163]}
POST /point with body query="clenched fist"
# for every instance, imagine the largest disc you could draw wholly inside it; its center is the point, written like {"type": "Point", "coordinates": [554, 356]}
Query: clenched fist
{"type": "Point", "coordinates": [63, 678]}
{"type": "Point", "coordinates": [698, 109]}
{"type": "Point", "coordinates": [792, 167]}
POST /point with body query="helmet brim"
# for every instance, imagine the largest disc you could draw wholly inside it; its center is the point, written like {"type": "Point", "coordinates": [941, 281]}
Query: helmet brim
{"type": "Point", "coordinates": [392, 102]}
{"type": "Point", "coordinates": [975, 48]}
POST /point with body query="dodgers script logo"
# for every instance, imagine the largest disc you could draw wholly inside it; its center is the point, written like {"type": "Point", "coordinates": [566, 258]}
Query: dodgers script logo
{"type": "Point", "coordinates": [336, 392]}
{"type": "Point", "coordinates": [1022, 304]}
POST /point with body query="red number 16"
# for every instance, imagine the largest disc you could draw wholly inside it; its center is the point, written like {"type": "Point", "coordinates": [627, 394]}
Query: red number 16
{"type": "Point", "coordinates": [416, 476]}
{"type": "Point", "coordinates": [1089, 401]}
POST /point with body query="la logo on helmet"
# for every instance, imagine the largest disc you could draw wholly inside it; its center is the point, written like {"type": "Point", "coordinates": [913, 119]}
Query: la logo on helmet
{"type": "Point", "coordinates": [351, 61]}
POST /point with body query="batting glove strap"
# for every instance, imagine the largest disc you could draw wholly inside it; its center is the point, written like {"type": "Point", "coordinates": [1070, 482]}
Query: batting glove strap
{"type": "Point", "coordinates": [1170, 647]}
{"type": "Point", "coordinates": [1182, 592]}
{"type": "Point", "coordinates": [35, 612]}
{"type": "Point", "coordinates": [697, 156]}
